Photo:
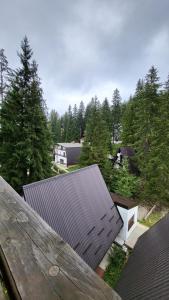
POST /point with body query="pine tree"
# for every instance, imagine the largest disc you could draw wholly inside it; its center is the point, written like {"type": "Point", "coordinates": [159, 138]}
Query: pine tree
{"type": "Point", "coordinates": [69, 129]}
{"type": "Point", "coordinates": [25, 136]}
{"type": "Point", "coordinates": [64, 127]}
{"type": "Point", "coordinates": [4, 72]}
{"type": "Point", "coordinates": [156, 185]}
{"type": "Point", "coordinates": [167, 86]}
{"type": "Point", "coordinates": [75, 129]}
{"type": "Point", "coordinates": [128, 123]}
{"type": "Point", "coordinates": [124, 183]}
{"type": "Point", "coordinates": [140, 127]}
{"type": "Point", "coordinates": [106, 114]}
{"type": "Point", "coordinates": [139, 86]}
{"type": "Point", "coordinates": [116, 115]}
{"type": "Point", "coordinates": [90, 109]}
{"type": "Point", "coordinates": [80, 119]}
{"type": "Point", "coordinates": [145, 128]}
{"type": "Point", "coordinates": [148, 113]}
{"type": "Point", "coordinates": [97, 140]}
{"type": "Point", "coordinates": [55, 126]}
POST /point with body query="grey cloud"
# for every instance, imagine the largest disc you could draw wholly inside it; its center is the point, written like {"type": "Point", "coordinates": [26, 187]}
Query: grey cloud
{"type": "Point", "coordinates": [83, 45]}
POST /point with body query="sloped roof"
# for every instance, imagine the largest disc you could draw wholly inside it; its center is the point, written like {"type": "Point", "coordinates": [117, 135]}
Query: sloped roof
{"type": "Point", "coordinates": [146, 275]}
{"type": "Point", "coordinates": [36, 262]}
{"type": "Point", "coordinates": [79, 208]}
{"type": "Point", "coordinates": [70, 145]}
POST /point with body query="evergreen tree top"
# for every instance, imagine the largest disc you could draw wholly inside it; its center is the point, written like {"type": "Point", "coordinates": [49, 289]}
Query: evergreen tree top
{"type": "Point", "coordinates": [152, 76]}
{"type": "Point", "coordinates": [26, 51]}
{"type": "Point", "coordinates": [105, 102]}
{"type": "Point", "coordinates": [167, 85]}
{"type": "Point", "coordinates": [27, 66]}
{"type": "Point", "coordinates": [116, 100]}
{"type": "Point", "coordinates": [139, 86]}
{"type": "Point", "coordinates": [3, 61]}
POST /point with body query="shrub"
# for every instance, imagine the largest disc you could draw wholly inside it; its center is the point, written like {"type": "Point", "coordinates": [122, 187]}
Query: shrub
{"type": "Point", "coordinates": [113, 271]}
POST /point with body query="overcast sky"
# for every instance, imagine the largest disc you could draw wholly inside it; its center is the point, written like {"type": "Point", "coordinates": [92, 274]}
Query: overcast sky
{"type": "Point", "coordinates": [88, 47]}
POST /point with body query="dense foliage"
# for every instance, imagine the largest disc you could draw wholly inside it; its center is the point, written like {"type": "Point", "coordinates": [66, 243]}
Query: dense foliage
{"type": "Point", "coordinates": [72, 125]}
{"type": "Point", "coordinates": [96, 145]}
{"type": "Point", "coordinates": [123, 182]}
{"type": "Point", "coordinates": [25, 137]}
{"type": "Point", "coordinates": [141, 122]}
{"type": "Point", "coordinates": [4, 72]}
{"type": "Point", "coordinates": [146, 128]}
{"type": "Point", "coordinates": [117, 259]}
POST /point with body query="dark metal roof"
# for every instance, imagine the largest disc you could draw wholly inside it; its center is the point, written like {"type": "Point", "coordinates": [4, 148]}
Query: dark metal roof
{"type": "Point", "coordinates": [127, 151]}
{"type": "Point", "coordinates": [35, 261]}
{"type": "Point", "coordinates": [79, 208]}
{"type": "Point", "coordinates": [73, 155]}
{"type": "Point", "coordinates": [123, 201]}
{"type": "Point", "coordinates": [146, 275]}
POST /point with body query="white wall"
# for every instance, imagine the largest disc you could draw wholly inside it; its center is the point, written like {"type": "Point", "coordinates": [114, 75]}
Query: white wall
{"type": "Point", "coordinates": [60, 154]}
{"type": "Point", "coordinates": [58, 157]}
{"type": "Point", "coordinates": [126, 214]}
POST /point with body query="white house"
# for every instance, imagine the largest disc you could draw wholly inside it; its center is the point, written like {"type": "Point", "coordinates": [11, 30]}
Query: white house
{"type": "Point", "coordinates": [128, 210]}
{"type": "Point", "coordinates": [67, 153]}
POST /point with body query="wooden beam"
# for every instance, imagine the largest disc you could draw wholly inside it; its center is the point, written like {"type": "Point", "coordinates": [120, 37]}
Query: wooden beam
{"type": "Point", "coordinates": [39, 264]}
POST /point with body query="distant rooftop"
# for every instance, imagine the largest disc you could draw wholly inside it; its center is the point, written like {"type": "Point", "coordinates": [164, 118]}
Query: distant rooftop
{"type": "Point", "coordinates": [127, 151]}
{"type": "Point", "coordinates": [70, 145]}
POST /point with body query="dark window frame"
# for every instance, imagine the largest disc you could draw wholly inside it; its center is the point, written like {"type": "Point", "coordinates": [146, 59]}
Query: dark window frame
{"type": "Point", "coordinates": [131, 222]}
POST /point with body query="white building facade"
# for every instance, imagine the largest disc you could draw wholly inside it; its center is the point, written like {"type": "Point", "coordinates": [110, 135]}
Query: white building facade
{"type": "Point", "coordinates": [129, 217]}
{"type": "Point", "coordinates": [67, 154]}
{"type": "Point", "coordinates": [60, 155]}
{"type": "Point", "coordinates": [129, 213]}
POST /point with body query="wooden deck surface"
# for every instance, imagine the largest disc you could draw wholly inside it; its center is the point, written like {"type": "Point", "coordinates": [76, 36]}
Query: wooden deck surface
{"type": "Point", "coordinates": [38, 263]}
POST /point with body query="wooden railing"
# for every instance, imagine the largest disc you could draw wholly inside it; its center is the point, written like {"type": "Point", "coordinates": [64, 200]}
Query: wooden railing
{"type": "Point", "coordinates": [36, 263]}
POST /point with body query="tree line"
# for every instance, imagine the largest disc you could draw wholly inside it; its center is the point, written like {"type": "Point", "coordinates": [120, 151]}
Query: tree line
{"type": "Point", "coordinates": [72, 124]}
{"type": "Point", "coordinates": [146, 128]}
{"type": "Point", "coordinates": [27, 134]}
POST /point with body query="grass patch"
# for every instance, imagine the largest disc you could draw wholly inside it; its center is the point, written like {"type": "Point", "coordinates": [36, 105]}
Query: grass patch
{"type": "Point", "coordinates": [4, 290]}
{"type": "Point", "coordinates": [152, 219]}
{"type": "Point", "coordinates": [117, 261]}
{"type": "Point", "coordinates": [74, 168]}
{"type": "Point", "coordinates": [115, 148]}
{"type": "Point", "coordinates": [57, 170]}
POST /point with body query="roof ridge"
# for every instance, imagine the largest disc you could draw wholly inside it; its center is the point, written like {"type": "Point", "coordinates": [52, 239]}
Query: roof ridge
{"type": "Point", "coordinates": [58, 176]}
{"type": "Point", "coordinates": [70, 145]}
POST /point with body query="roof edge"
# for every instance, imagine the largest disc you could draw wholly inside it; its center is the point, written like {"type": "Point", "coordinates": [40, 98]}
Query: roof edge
{"type": "Point", "coordinates": [59, 176]}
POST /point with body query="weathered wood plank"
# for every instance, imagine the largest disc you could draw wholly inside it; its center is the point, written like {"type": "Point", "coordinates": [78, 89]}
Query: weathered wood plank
{"type": "Point", "coordinates": [42, 265]}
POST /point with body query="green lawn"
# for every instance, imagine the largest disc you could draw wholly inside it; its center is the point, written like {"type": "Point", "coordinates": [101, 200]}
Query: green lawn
{"type": "Point", "coordinates": [74, 168]}
{"type": "Point", "coordinates": [152, 219]}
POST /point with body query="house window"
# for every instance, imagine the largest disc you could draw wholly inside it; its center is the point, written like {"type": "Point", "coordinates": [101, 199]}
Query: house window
{"type": "Point", "coordinates": [130, 222]}
{"type": "Point", "coordinates": [61, 161]}
{"type": "Point", "coordinates": [64, 154]}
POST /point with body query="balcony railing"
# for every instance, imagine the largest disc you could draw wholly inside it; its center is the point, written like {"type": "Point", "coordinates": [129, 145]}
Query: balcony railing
{"type": "Point", "coordinates": [36, 263]}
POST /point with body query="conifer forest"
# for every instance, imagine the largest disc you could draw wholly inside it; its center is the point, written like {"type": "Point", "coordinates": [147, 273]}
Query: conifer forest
{"type": "Point", "coordinates": [29, 132]}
